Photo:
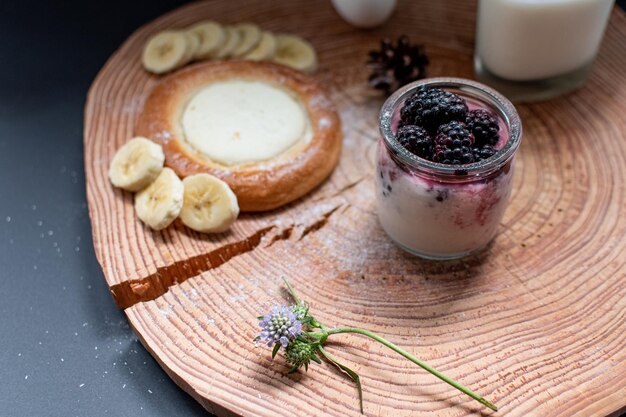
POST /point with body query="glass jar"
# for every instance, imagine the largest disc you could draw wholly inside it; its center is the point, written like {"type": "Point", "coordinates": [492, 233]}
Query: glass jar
{"type": "Point", "coordinates": [440, 211]}
{"type": "Point", "coordinates": [536, 49]}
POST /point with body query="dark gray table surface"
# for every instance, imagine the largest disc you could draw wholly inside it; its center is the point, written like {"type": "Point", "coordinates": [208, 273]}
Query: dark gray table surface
{"type": "Point", "coordinates": [65, 349]}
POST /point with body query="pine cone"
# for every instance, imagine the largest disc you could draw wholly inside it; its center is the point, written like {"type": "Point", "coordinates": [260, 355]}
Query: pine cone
{"type": "Point", "coordinates": [396, 65]}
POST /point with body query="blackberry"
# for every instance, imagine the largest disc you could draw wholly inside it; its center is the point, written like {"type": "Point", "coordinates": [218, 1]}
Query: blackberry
{"type": "Point", "coordinates": [416, 140]}
{"type": "Point", "coordinates": [453, 144]}
{"type": "Point", "coordinates": [457, 130]}
{"type": "Point", "coordinates": [484, 125]}
{"type": "Point", "coordinates": [483, 153]}
{"type": "Point", "coordinates": [432, 107]}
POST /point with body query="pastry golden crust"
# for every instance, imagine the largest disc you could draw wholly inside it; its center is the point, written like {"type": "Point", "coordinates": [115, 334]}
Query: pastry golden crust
{"type": "Point", "coordinates": [259, 186]}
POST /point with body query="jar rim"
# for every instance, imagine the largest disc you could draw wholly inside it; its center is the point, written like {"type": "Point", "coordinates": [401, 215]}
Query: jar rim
{"type": "Point", "coordinates": [475, 90]}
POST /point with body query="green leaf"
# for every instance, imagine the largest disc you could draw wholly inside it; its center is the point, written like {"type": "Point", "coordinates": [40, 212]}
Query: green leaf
{"type": "Point", "coordinates": [314, 324]}
{"type": "Point", "coordinates": [357, 380]}
{"type": "Point", "coordinates": [275, 350]}
{"type": "Point", "coordinates": [293, 369]}
{"type": "Point", "coordinates": [260, 317]}
{"type": "Point", "coordinates": [355, 377]}
{"type": "Point", "coordinates": [315, 359]}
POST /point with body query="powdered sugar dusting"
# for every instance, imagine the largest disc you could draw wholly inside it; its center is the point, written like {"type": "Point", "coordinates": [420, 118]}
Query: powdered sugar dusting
{"type": "Point", "coordinates": [134, 106]}
{"type": "Point", "coordinates": [323, 123]}
{"type": "Point", "coordinates": [164, 135]}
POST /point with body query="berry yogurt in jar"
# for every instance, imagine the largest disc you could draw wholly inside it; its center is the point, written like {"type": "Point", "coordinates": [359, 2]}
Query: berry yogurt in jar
{"type": "Point", "coordinates": [445, 165]}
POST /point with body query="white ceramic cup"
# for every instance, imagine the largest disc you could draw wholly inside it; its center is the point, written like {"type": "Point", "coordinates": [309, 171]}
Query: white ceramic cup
{"type": "Point", "coordinates": [365, 13]}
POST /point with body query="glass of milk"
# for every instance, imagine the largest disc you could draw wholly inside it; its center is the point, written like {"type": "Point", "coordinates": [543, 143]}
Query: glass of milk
{"type": "Point", "coordinates": [536, 49]}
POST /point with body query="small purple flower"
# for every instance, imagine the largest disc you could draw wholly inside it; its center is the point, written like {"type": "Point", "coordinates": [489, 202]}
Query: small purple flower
{"type": "Point", "coordinates": [280, 326]}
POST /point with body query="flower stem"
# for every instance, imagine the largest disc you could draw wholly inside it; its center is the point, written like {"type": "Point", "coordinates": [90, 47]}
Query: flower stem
{"type": "Point", "coordinates": [292, 292]}
{"type": "Point", "coordinates": [414, 360]}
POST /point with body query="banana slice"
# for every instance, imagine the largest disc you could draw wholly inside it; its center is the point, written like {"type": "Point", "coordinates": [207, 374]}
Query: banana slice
{"type": "Point", "coordinates": [264, 50]}
{"type": "Point", "coordinates": [193, 44]}
{"type": "Point", "coordinates": [136, 164]}
{"type": "Point", "coordinates": [165, 51]}
{"type": "Point", "coordinates": [233, 38]}
{"type": "Point", "coordinates": [209, 205]}
{"type": "Point", "coordinates": [160, 203]}
{"type": "Point", "coordinates": [211, 36]}
{"type": "Point", "coordinates": [295, 52]}
{"type": "Point", "coordinates": [250, 37]}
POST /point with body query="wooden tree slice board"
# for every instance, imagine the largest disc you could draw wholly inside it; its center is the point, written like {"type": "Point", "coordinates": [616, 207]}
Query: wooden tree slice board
{"type": "Point", "coordinates": [536, 323]}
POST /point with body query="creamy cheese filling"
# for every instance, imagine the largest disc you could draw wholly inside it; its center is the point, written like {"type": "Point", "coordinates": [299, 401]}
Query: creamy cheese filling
{"type": "Point", "coordinates": [234, 122]}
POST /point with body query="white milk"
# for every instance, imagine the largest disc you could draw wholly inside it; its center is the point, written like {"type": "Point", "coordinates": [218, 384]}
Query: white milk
{"type": "Point", "coordinates": [524, 40]}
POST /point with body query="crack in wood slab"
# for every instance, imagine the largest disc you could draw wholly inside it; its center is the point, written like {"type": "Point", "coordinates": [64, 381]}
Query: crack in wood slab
{"type": "Point", "coordinates": [128, 293]}
{"type": "Point", "coordinates": [319, 223]}
{"type": "Point", "coordinates": [341, 190]}
{"type": "Point", "coordinates": [287, 232]}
